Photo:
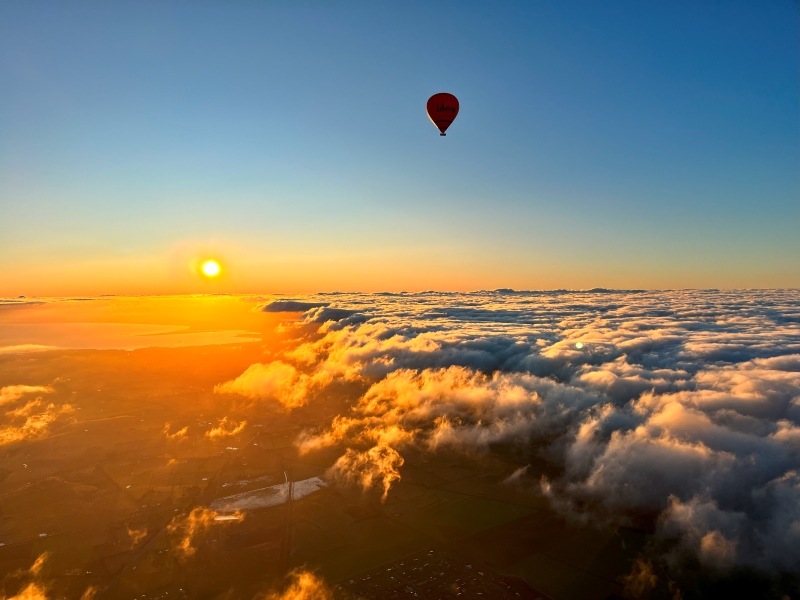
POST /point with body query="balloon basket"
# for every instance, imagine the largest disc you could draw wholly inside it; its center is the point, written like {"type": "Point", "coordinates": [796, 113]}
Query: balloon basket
{"type": "Point", "coordinates": [442, 134]}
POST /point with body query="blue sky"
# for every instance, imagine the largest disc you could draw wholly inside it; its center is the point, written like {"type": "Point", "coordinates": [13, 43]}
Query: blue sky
{"type": "Point", "coordinates": [616, 144]}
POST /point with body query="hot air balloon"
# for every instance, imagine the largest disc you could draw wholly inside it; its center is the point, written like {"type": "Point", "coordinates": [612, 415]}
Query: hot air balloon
{"type": "Point", "coordinates": [442, 109]}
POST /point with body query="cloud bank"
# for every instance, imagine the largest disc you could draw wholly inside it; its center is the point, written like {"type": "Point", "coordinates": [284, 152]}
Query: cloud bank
{"type": "Point", "coordinates": [681, 408]}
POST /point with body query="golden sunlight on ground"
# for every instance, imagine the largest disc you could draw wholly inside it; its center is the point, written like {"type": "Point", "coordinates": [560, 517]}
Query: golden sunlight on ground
{"type": "Point", "coordinates": [210, 268]}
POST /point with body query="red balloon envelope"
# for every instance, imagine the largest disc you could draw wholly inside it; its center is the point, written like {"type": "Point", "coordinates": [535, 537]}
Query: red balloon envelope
{"type": "Point", "coordinates": [442, 109]}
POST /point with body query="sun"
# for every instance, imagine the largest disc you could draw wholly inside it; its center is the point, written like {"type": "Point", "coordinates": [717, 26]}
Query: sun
{"type": "Point", "coordinates": [210, 268]}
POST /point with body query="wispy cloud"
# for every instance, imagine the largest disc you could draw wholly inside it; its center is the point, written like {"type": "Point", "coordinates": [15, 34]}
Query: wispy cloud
{"type": "Point", "coordinates": [32, 583]}
{"type": "Point", "coordinates": [516, 476]}
{"type": "Point", "coordinates": [376, 467]}
{"type": "Point", "coordinates": [302, 585]}
{"type": "Point", "coordinates": [31, 591]}
{"type": "Point", "coordinates": [226, 428]}
{"type": "Point", "coordinates": [11, 393]}
{"type": "Point", "coordinates": [32, 420]}
{"type": "Point", "coordinates": [24, 348]}
{"type": "Point", "coordinates": [136, 535]}
{"type": "Point", "coordinates": [190, 528]}
{"type": "Point", "coordinates": [177, 435]}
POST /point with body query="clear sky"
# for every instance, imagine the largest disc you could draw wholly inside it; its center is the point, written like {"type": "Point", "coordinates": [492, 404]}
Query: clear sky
{"type": "Point", "coordinates": [599, 144]}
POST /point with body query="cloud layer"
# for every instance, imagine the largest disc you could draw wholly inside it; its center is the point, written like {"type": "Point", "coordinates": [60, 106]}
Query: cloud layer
{"type": "Point", "coordinates": [682, 407]}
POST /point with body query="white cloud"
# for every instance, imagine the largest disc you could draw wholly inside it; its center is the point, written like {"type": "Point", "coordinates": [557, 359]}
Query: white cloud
{"type": "Point", "coordinates": [683, 403]}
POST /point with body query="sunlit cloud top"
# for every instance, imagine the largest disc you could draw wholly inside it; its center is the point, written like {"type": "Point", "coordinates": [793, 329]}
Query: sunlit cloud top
{"type": "Point", "coordinates": [681, 409]}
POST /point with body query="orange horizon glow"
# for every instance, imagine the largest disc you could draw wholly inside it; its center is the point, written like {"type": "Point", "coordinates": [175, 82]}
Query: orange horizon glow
{"type": "Point", "coordinates": [303, 279]}
{"type": "Point", "coordinates": [246, 268]}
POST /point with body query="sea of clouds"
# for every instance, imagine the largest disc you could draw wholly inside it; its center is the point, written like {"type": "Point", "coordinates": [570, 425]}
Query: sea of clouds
{"type": "Point", "coordinates": [683, 405]}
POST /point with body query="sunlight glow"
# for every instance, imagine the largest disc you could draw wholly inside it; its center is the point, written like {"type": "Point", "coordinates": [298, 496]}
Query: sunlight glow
{"type": "Point", "coordinates": [210, 268]}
